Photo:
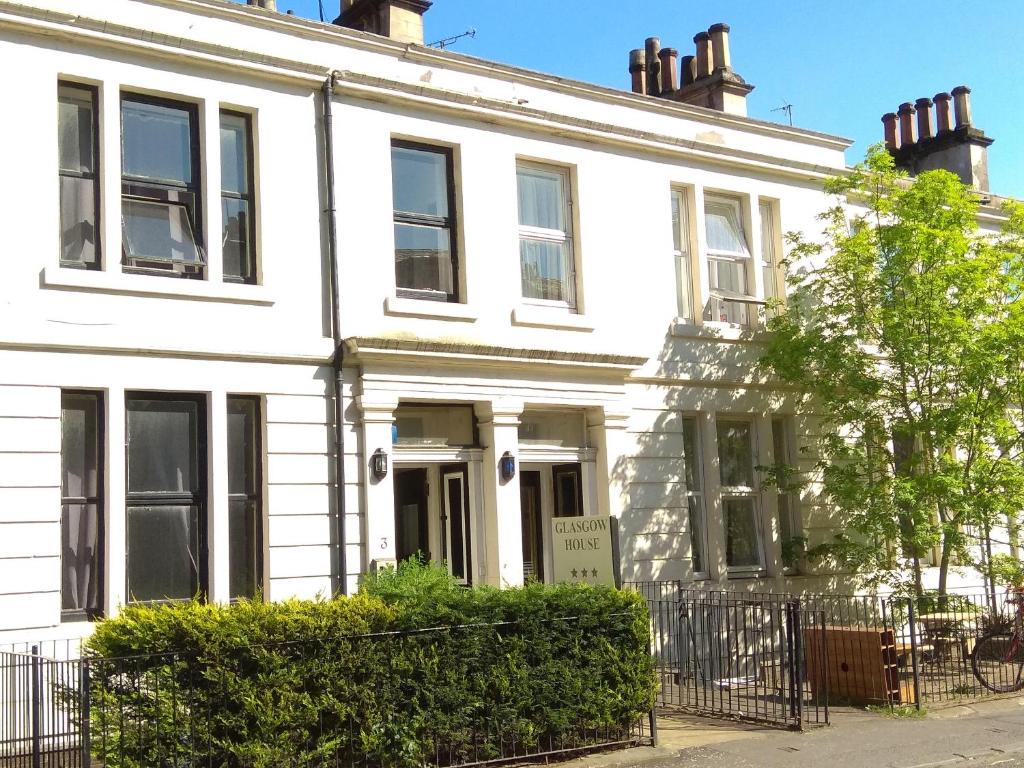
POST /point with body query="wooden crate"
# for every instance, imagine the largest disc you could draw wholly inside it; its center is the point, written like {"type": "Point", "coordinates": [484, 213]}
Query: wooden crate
{"type": "Point", "coordinates": [862, 665]}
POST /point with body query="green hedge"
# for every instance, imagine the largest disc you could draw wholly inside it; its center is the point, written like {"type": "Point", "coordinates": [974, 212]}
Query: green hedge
{"type": "Point", "coordinates": [370, 677]}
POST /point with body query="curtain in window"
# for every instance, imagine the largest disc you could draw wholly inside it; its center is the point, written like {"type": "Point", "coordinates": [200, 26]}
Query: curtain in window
{"type": "Point", "coordinates": [541, 199]}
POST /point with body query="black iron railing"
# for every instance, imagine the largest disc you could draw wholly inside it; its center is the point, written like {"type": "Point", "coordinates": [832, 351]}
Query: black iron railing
{"type": "Point", "coordinates": [183, 709]}
{"type": "Point", "coordinates": [762, 655]}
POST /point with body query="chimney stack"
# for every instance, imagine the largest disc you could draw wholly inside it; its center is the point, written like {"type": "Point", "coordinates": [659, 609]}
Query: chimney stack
{"type": "Point", "coordinates": [401, 20]}
{"type": "Point", "coordinates": [270, 5]}
{"type": "Point", "coordinates": [705, 79]}
{"type": "Point", "coordinates": [950, 142]}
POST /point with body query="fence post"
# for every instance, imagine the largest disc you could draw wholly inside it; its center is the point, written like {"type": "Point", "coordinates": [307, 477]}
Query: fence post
{"type": "Point", "coordinates": [654, 725]}
{"type": "Point", "coordinates": [798, 672]}
{"type": "Point", "coordinates": [84, 734]}
{"type": "Point", "coordinates": [35, 687]}
{"type": "Point", "coordinates": [914, 664]}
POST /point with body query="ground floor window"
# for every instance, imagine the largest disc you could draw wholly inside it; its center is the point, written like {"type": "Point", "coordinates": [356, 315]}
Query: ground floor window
{"type": "Point", "coordinates": [81, 525]}
{"type": "Point", "coordinates": [736, 464]}
{"type": "Point", "coordinates": [167, 497]}
{"type": "Point", "coordinates": [245, 485]}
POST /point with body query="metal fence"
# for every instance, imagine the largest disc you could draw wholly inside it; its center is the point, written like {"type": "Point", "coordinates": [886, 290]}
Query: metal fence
{"type": "Point", "coordinates": [736, 655]}
{"type": "Point", "coordinates": [175, 710]}
{"type": "Point", "coordinates": [767, 656]}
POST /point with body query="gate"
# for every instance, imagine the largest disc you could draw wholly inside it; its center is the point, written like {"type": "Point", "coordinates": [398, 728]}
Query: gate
{"type": "Point", "coordinates": [735, 655]}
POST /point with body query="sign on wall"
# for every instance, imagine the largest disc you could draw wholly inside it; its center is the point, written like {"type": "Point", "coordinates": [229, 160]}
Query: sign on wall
{"type": "Point", "coordinates": [581, 550]}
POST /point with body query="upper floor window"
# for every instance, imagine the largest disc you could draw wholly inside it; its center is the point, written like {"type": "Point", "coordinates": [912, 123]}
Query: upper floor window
{"type": "Point", "coordinates": [743, 546]}
{"type": "Point", "coordinates": [422, 184]}
{"type": "Point", "coordinates": [681, 250]}
{"type": "Point", "coordinates": [732, 299]}
{"type": "Point", "coordinates": [545, 235]}
{"type": "Point", "coordinates": [237, 198]}
{"type": "Point", "coordinates": [78, 152]}
{"type": "Point", "coordinates": [774, 287]}
{"type": "Point", "coordinates": [160, 187]}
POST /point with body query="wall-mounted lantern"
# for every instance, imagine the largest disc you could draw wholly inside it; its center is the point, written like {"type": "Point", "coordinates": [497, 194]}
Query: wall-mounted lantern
{"type": "Point", "coordinates": [507, 466]}
{"type": "Point", "coordinates": [379, 464]}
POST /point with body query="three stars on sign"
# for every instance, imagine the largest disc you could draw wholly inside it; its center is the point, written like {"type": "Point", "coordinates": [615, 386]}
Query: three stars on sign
{"type": "Point", "coordinates": [577, 574]}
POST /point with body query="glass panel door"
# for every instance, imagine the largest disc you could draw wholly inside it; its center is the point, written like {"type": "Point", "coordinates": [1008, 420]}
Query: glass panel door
{"type": "Point", "coordinates": [568, 490]}
{"type": "Point", "coordinates": [455, 522]}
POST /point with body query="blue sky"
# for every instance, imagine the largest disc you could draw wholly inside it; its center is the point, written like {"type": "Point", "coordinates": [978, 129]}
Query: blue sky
{"type": "Point", "coordinates": [841, 64]}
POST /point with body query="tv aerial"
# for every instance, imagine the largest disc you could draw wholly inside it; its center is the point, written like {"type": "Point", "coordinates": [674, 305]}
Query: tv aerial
{"type": "Point", "coordinates": [446, 41]}
{"type": "Point", "coordinates": [787, 108]}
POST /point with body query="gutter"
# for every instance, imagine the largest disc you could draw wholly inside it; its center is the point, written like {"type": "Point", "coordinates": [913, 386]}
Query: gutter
{"type": "Point", "coordinates": [338, 358]}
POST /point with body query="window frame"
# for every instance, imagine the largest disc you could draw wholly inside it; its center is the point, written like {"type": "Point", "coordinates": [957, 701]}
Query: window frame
{"type": "Point", "coordinates": [700, 494]}
{"type": "Point", "coordinates": [774, 284]}
{"type": "Point", "coordinates": [744, 259]}
{"type": "Point", "coordinates": [166, 192]}
{"type": "Point", "coordinates": [565, 237]}
{"type": "Point", "coordinates": [96, 176]}
{"type": "Point", "coordinates": [751, 492]}
{"type": "Point", "coordinates": [99, 501]}
{"type": "Point", "coordinates": [253, 496]}
{"type": "Point", "coordinates": [448, 223]}
{"type": "Point", "coordinates": [250, 199]}
{"type": "Point", "coordinates": [682, 249]}
{"type": "Point", "coordinates": [200, 498]}
{"type": "Point", "coordinates": [787, 501]}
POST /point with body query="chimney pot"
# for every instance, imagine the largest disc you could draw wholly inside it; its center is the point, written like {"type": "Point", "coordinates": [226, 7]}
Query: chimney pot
{"type": "Point", "coordinates": [906, 113]}
{"type": "Point", "coordinates": [688, 67]}
{"type": "Point", "coordinates": [703, 58]}
{"type": "Point", "coordinates": [892, 138]}
{"type": "Point", "coordinates": [669, 70]}
{"type": "Point", "coordinates": [719, 34]}
{"type": "Point", "coordinates": [652, 45]}
{"type": "Point", "coordinates": [962, 106]}
{"type": "Point", "coordinates": [924, 119]}
{"type": "Point", "coordinates": [942, 117]}
{"type": "Point", "coordinates": [637, 69]}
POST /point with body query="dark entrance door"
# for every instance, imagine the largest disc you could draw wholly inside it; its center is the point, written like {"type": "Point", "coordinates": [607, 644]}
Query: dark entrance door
{"type": "Point", "coordinates": [533, 539]}
{"type": "Point", "coordinates": [411, 531]}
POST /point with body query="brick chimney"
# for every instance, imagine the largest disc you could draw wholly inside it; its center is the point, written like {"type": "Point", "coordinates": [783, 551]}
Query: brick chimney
{"type": "Point", "coordinates": [953, 144]}
{"type": "Point", "coordinates": [705, 79]}
{"type": "Point", "coordinates": [401, 20]}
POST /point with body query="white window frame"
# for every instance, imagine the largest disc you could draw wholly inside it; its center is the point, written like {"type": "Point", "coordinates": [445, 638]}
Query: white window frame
{"type": "Point", "coordinates": [774, 284]}
{"type": "Point", "coordinates": [787, 502]}
{"type": "Point", "coordinates": [697, 471]}
{"type": "Point", "coordinates": [751, 492]}
{"type": "Point", "coordinates": [557, 236]}
{"type": "Point", "coordinates": [683, 254]}
{"type": "Point", "coordinates": [743, 258]}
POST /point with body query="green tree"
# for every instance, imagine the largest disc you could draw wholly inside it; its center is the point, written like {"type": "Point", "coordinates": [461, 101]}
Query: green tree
{"type": "Point", "coordinates": [904, 333]}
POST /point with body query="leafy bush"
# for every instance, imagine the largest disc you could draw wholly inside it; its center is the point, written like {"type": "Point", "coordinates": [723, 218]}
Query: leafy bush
{"type": "Point", "coordinates": [414, 669]}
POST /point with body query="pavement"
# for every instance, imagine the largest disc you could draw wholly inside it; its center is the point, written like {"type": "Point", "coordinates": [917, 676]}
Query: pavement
{"type": "Point", "coordinates": [989, 733]}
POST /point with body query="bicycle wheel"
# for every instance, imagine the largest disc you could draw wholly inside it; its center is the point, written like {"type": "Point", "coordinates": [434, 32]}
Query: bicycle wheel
{"type": "Point", "coordinates": [998, 662]}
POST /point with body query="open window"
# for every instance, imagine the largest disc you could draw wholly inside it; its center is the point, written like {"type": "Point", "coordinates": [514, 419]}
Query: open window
{"type": "Point", "coordinates": [732, 298]}
{"type": "Point", "coordinates": [160, 187]}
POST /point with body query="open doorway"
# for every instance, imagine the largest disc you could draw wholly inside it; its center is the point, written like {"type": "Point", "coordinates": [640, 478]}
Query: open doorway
{"type": "Point", "coordinates": [432, 516]}
{"type": "Point", "coordinates": [546, 491]}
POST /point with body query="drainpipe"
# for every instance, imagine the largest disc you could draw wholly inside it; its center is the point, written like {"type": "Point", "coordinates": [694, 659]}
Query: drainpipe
{"type": "Point", "coordinates": [339, 350]}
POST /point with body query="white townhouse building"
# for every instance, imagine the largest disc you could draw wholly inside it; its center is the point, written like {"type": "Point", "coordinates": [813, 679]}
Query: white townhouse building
{"type": "Point", "coordinates": [517, 296]}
